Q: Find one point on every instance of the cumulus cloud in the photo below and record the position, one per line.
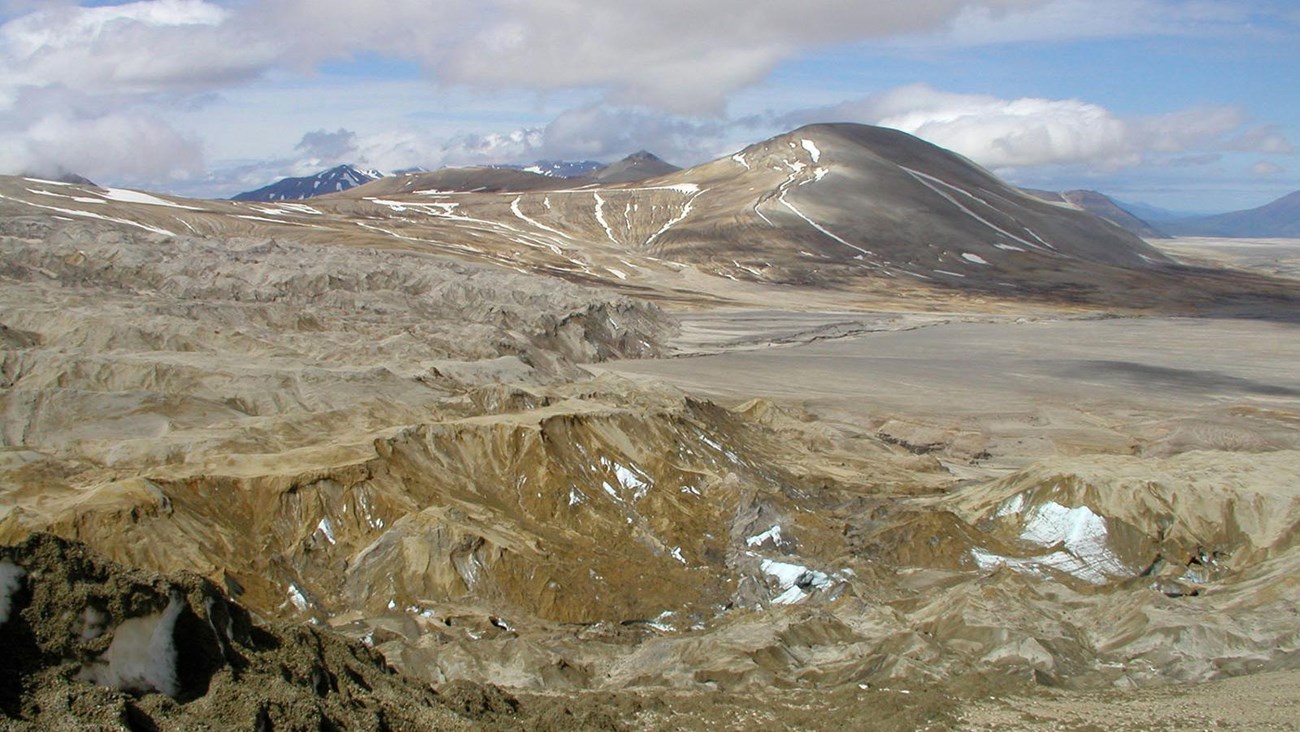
(673, 54)
(1266, 168)
(147, 46)
(1027, 132)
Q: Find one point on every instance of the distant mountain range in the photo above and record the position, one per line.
(334, 180)
(1281, 219)
(635, 167)
(832, 207)
(558, 168)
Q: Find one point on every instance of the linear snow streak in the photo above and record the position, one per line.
(446, 211)
(92, 215)
(686, 210)
(514, 206)
(928, 181)
(785, 188)
(600, 216)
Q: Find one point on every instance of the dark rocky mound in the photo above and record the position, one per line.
(59, 175)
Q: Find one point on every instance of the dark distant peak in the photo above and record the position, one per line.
(60, 176)
(643, 156)
(335, 180)
(556, 168)
(638, 166)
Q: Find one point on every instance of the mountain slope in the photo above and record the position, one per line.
(885, 201)
(334, 180)
(1281, 218)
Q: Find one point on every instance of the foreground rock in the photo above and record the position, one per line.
(90, 644)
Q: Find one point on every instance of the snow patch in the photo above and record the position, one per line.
(1011, 506)
(11, 580)
(773, 535)
(326, 528)
(126, 196)
(977, 259)
(791, 596)
(740, 159)
(78, 199)
(677, 554)
(296, 597)
(796, 582)
(1080, 534)
(142, 656)
(631, 480)
(600, 217)
(811, 147)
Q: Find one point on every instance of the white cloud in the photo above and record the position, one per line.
(1067, 20)
(140, 47)
(1265, 168)
(1028, 132)
(680, 55)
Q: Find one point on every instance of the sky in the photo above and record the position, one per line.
(1188, 105)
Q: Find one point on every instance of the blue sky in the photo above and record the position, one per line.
(1185, 104)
